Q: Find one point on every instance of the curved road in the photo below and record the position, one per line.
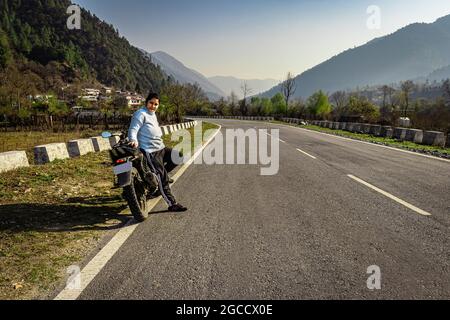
(335, 208)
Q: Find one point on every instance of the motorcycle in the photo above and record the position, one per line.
(133, 175)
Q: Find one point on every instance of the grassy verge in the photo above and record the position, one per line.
(51, 217)
(431, 150)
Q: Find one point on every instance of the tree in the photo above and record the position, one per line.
(446, 88)
(298, 109)
(106, 107)
(267, 107)
(255, 106)
(386, 110)
(35, 32)
(166, 109)
(432, 115)
(339, 98)
(407, 87)
(387, 93)
(319, 105)
(246, 91)
(222, 107)
(51, 106)
(55, 108)
(288, 88)
(233, 101)
(195, 99)
(278, 104)
(176, 97)
(362, 107)
(5, 50)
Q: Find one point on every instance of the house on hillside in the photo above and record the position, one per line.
(107, 90)
(90, 95)
(135, 100)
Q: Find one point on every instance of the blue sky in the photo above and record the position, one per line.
(257, 38)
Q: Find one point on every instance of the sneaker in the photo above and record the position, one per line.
(177, 208)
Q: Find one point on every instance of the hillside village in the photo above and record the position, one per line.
(90, 100)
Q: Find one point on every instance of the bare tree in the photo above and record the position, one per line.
(387, 93)
(233, 99)
(246, 91)
(288, 88)
(339, 98)
(407, 87)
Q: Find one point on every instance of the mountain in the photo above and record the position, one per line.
(35, 40)
(440, 74)
(231, 84)
(411, 52)
(183, 74)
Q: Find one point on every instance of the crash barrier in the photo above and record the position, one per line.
(80, 147)
(101, 144)
(237, 118)
(50, 152)
(293, 120)
(431, 138)
(75, 148)
(414, 135)
(435, 138)
(400, 133)
(13, 160)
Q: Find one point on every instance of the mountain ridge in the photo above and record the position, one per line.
(413, 51)
(183, 74)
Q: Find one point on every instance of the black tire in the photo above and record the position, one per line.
(135, 195)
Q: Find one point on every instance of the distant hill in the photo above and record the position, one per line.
(411, 52)
(183, 74)
(34, 36)
(440, 74)
(229, 84)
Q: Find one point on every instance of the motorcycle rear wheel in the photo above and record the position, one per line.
(135, 195)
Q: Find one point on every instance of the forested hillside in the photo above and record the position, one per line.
(36, 44)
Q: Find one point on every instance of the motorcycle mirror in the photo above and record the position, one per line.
(106, 135)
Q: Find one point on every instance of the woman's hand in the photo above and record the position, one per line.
(134, 144)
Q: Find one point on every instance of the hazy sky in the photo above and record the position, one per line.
(257, 38)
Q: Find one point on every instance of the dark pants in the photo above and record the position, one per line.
(162, 163)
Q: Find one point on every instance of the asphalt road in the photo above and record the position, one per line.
(309, 232)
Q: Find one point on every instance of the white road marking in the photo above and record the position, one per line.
(390, 196)
(99, 261)
(282, 141)
(93, 268)
(307, 154)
